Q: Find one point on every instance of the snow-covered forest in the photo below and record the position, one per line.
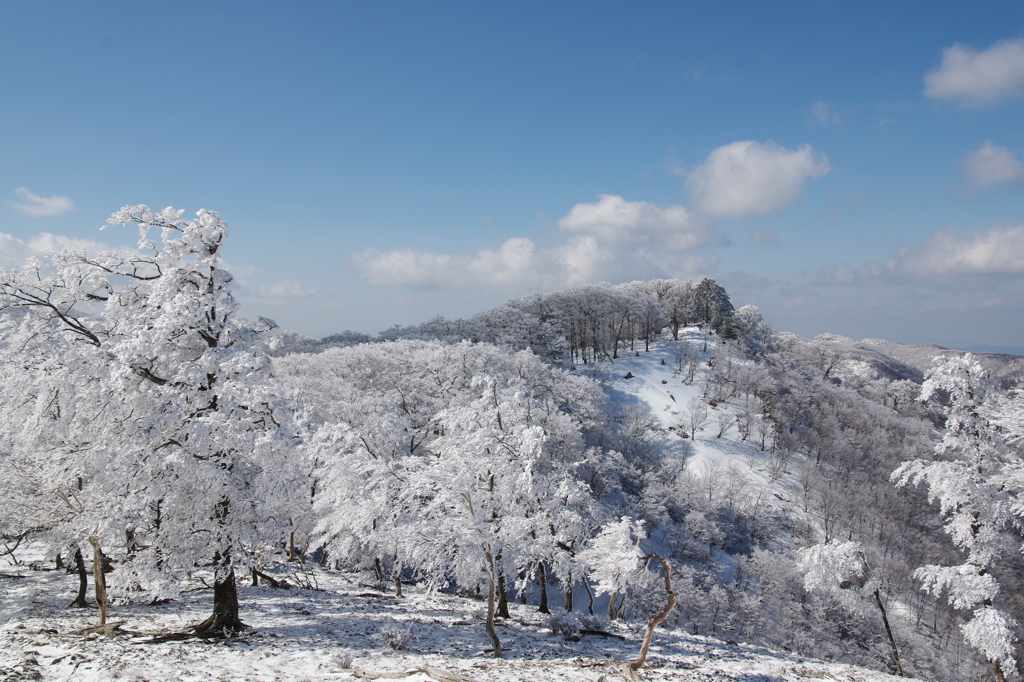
(610, 479)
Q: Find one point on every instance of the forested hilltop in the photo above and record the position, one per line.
(555, 455)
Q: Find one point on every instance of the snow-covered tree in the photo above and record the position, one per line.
(969, 480)
(840, 569)
(191, 454)
(462, 462)
(617, 562)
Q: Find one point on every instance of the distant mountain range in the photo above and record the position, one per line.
(899, 361)
(1000, 350)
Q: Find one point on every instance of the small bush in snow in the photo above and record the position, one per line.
(565, 624)
(394, 637)
(593, 623)
(343, 660)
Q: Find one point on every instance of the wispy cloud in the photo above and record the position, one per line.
(749, 178)
(992, 165)
(14, 252)
(764, 237)
(286, 289)
(947, 254)
(978, 79)
(39, 207)
(823, 112)
(610, 238)
(944, 256)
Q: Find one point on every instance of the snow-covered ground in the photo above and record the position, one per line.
(332, 633)
(667, 393)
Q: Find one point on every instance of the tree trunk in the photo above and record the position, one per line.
(888, 631)
(83, 580)
(612, 611)
(502, 598)
(98, 579)
(224, 618)
(997, 670)
(590, 597)
(653, 622)
(568, 599)
(491, 633)
(542, 578)
(255, 577)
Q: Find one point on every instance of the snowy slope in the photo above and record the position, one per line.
(330, 633)
(656, 384)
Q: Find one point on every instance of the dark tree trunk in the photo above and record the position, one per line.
(542, 578)
(224, 618)
(83, 581)
(590, 597)
(502, 598)
(255, 577)
(568, 599)
(888, 631)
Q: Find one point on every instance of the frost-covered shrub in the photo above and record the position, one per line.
(572, 625)
(596, 623)
(343, 660)
(566, 624)
(394, 637)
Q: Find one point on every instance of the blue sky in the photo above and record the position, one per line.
(852, 168)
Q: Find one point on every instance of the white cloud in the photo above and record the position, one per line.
(38, 207)
(748, 178)
(14, 252)
(948, 254)
(611, 239)
(286, 289)
(613, 220)
(992, 165)
(823, 112)
(517, 263)
(978, 79)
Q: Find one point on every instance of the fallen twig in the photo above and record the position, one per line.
(602, 633)
(436, 673)
(183, 635)
(275, 583)
(103, 628)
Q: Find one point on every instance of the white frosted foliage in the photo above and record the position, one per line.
(615, 555)
(155, 409)
(990, 631)
(976, 481)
